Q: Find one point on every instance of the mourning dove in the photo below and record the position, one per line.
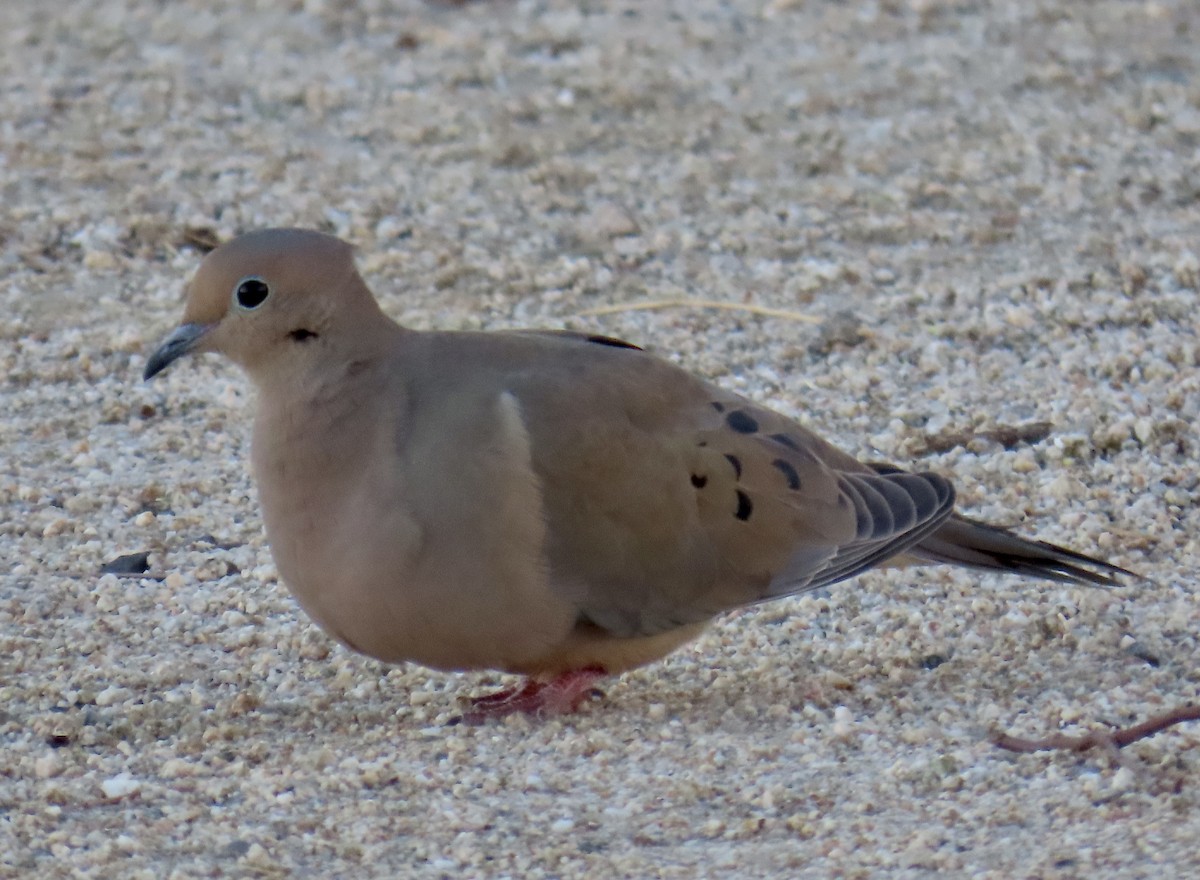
(554, 504)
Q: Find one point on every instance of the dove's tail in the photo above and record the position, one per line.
(962, 541)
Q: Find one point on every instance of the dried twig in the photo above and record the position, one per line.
(1114, 739)
(1007, 436)
(702, 304)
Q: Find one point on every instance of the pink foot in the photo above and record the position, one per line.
(560, 695)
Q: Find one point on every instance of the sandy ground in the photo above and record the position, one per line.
(990, 210)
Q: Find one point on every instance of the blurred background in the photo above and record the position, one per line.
(956, 235)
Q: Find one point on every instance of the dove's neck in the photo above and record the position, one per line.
(313, 418)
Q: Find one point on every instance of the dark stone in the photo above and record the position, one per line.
(130, 563)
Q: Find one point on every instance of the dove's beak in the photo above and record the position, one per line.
(183, 339)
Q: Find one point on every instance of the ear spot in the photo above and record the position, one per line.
(251, 293)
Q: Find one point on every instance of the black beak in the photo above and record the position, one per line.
(182, 340)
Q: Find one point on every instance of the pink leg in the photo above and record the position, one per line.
(560, 695)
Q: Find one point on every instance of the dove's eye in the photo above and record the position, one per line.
(251, 293)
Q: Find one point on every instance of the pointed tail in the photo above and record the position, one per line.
(962, 541)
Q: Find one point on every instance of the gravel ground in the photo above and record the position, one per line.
(980, 222)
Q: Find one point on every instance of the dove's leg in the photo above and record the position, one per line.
(559, 695)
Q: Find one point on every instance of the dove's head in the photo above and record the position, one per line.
(272, 300)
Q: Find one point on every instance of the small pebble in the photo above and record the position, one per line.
(120, 786)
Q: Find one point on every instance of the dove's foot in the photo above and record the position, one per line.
(560, 695)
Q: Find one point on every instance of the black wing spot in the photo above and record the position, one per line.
(741, 421)
(745, 507)
(718, 406)
(786, 440)
(789, 473)
(613, 341)
(737, 465)
(699, 481)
